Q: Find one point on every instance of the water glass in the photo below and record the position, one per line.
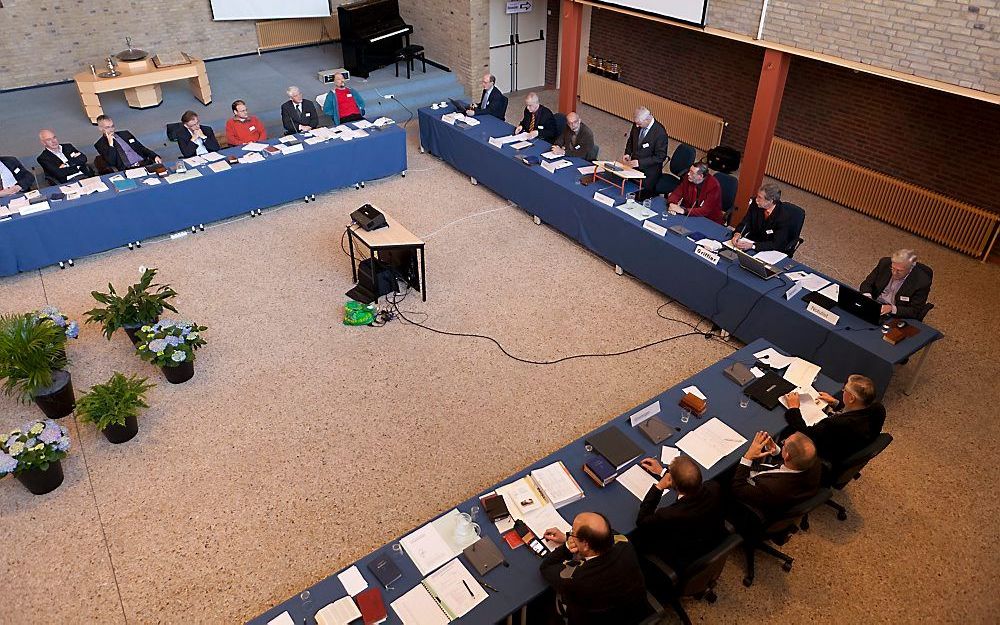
(685, 415)
(744, 401)
(648, 203)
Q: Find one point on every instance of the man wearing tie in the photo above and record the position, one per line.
(537, 120)
(646, 149)
(195, 139)
(14, 178)
(120, 149)
(298, 115)
(492, 101)
(61, 162)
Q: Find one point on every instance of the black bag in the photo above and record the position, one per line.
(724, 159)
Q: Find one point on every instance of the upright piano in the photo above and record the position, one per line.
(371, 34)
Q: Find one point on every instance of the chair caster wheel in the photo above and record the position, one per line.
(131, 246)
(618, 270)
(711, 597)
(200, 227)
(357, 185)
(422, 150)
(362, 184)
(404, 174)
(260, 211)
(194, 230)
(139, 243)
(473, 181)
(62, 265)
(537, 221)
(748, 581)
(312, 197)
(786, 567)
(70, 262)
(253, 214)
(841, 516)
(306, 199)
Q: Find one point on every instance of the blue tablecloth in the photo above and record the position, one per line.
(734, 299)
(102, 221)
(521, 582)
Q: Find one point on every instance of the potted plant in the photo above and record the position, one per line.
(32, 454)
(33, 362)
(170, 345)
(114, 406)
(51, 313)
(138, 307)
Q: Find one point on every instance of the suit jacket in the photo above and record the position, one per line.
(290, 118)
(774, 492)
(651, 152)
(603, 590)
(76, 164)
(114, 156)
(579, 144)
(840, 435)
(683, 532)
(25, 179)
(189, 147)
(545, 123)
(774, 233)
(495, 106)
(912, 294)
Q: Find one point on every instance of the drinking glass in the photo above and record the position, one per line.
(685, 415)
(744, 401)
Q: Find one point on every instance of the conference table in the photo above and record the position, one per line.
(521, 582)
(736, 300)
(71, 229)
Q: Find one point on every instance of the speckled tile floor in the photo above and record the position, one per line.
(275, 466)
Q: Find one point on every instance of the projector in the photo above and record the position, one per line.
(326, 75)
(369, 218)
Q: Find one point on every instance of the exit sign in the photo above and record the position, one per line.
(518, 6)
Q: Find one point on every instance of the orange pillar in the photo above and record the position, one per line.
(766, 107)
(571, 17)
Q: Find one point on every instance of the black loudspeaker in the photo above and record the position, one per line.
(724, 159)
(369, 218)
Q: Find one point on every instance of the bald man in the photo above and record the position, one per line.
(773, 489)
(61, 162)
(687, 529)
(538, 120)
(576, 139)
(596, 577)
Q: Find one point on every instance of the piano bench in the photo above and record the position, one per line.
(409, 54)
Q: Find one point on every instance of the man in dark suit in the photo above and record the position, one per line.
(120, 149)
(856, 421)
(492, 102)
(193, 138)
(900, 284)
(298, 114)
(646, 149)
(14, 177)
(773, 489)
(576, 139)
(597, 578)
(686, 530)
(766, 225)
(537, 121)
(62, 162)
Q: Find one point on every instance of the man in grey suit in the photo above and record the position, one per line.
(646, 149)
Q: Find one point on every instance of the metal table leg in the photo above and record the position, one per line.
(350, 246)
(920, 366)
(423, 275)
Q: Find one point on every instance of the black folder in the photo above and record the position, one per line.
(767, 390)
(614, 445)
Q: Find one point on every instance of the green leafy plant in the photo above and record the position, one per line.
(169, 343)
(138, 306)
(114, 401)
(30, 350)
(34, 446)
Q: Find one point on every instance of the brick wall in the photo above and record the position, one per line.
(937, 140)
(737, 16)
(454, 33)
(552, 44)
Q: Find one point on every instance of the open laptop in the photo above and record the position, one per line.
(757, 267)
(859, 305)
(461, 107)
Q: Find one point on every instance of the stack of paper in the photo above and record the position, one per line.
(710, 442)
(801, 373)
(451, 118)
(444, 596)
(437, 542)
(557, 484)
(520, 145)
(502, 141)
(341, 612)
(522, 496)
(34, 208)
(810, 405)
(219, 166)
(151, 182)
(137, 172)
(290, 149)
(388, 121)
(254, 147)
(364, 123)
(288, 139)
(253, 157)
(587, 169)
(770, 257)
(637, 480)
(544, 518)
(773, 359)
(195, 161)
(211, 157)
(809, 281)
(71, 188)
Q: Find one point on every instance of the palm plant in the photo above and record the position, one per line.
(30, 351)
(137, 307)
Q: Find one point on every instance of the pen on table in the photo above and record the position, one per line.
(466, 584)
(488, 586)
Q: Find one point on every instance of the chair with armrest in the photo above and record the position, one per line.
(757, 529)
(727, 187)
(172, 131)
(560, 123)
(798, 220)
(102, 167)
(592, 154)
(928, 306)
(682, 159)
(839, 475)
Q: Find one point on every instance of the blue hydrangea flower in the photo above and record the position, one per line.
(178, 356)
(50, 435)
(166, 323)
(11, 440)
(7, 464)
(73, 330)
(63, 443)
(158, 345)
(30, 442)
(174, 340)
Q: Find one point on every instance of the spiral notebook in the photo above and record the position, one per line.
(443, 596)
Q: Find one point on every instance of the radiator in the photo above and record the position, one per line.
(951, 223)
(272, 34)
(694, 127)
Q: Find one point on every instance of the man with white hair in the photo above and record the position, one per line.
(646, 149)
(538, 120)
(298, 114)
(900, 284)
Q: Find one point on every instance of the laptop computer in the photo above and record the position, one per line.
(767, 390)
(461, 107)
(819, 299)
(756, 267)
(859, 305)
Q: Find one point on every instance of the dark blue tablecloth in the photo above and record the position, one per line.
(521, 582)
(734, 299)
(102, 221)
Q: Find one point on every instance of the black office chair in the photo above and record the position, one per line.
(843, 473)
(173, 130)
(592, 154)
(681, 161)
(560, 123)
(410, 54)
(727, 186)
(798, 220)
(757, 530)
(697, 579)
(102, 166)
(927, 306)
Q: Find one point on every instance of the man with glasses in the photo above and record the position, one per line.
(120, 149)
(194, 139)
(492, 102)
(538, 120)
(767, 225)
(698, 195)
(646, 149)
(243, 128)
(900, 284)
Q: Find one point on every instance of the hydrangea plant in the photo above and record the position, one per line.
(34, 446)
(169, 343)
(53, 314)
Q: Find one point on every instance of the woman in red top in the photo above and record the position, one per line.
(698, 195)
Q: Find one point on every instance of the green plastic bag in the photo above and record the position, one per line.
(358, 314)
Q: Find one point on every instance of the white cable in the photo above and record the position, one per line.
(451, 223)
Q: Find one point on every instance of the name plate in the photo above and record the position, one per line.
(641, 415)
(711, 257)
(603, 199)
(549, 167)
(655, 228)
(823, 313)
(790, 293)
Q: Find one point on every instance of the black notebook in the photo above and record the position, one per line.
(495, 507)
(385, 570)
(614, 445)
(767, 390)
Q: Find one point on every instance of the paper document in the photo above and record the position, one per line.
(667, 454)
(801, 372)
(770, 256)
(188, 175)
(795, 276)
(757, 373)
(522, 497)
(639, 416)
(388, 121)
(418, 607)
(710, 244)
(315, 140)
(557, 484)
(619, 170)
(637, 211)
(588, 169)
(520, 145)
(710, 442)
(341, 612)
(810, 406)
(253, 157)
(195, 161)
(220, 166)
(291, 149)
(69, 188)
(546, 517)
(151, 182)
(772, 358)
(288, 139)
(34, 208)
(455, 589)
(694, 390)
(281, 619)
(211, 157)
(352, 580)
(637, 480)
(832, 291)
(427, 549)
(137, 172)
(551, 155)
(364, 123)
(812, 282)
(254, 147)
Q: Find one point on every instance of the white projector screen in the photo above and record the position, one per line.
(268, 9)
(690, 11)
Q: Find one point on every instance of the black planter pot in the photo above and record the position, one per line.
(181, 373)
(57, 400)
(40, 482)
(122, 433)
(130, 330)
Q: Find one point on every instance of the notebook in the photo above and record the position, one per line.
(385, 570)
(483, 555)
(655, 430)
(371, 606)
(443, 596)
(614, 445)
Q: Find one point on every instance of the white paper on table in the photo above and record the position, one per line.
(520, 145)
(561, 163)
(456, 589)
(470, 121)
(180, 177)
(69, 188)
(637, 481)
(639, 416)
(587, 169)
(517, 493)
(211, 157)
(667, 454)
(137, 172)
(557, 484)
(195, 161)
(801, 372)
(254, 147)
(795, 276)
(340, 612)
(418, 607)
(551, 154)
(812, 282)
(710, 244)
(288, 139)
(315, 140)
(252, 157)
(549, 167)
(546, 517)
(5, 212)
(832, 291)
(710, 442)
(220, 166)
(427, 548)
(770, 256)
(281, 619)
(694, 390)
(773, 359)
(757, 373)
(501, 141)
(18, 203)
(152, 182)
(352, 580)
(364, 123)
(291, 149)
(34, 208)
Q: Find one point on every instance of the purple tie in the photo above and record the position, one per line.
(130, 154)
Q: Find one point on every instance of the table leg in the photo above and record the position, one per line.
(90, 101)
(199, 85)
(350, 246)
(524, 614)
(143, 97)
(920, 366)
(423, 275)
